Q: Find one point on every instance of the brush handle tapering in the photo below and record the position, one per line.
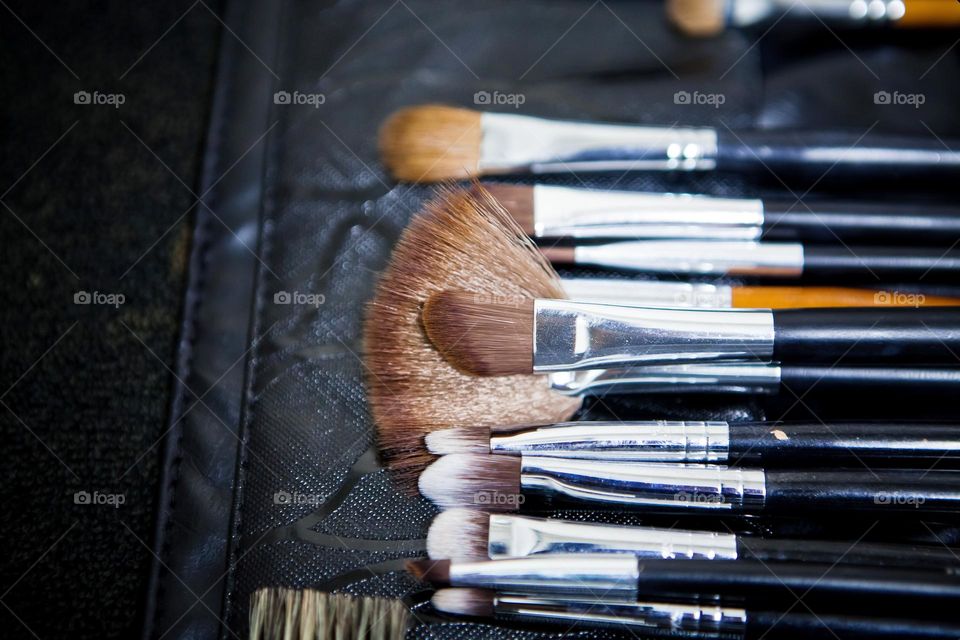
(795, 625)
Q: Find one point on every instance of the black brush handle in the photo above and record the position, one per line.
(867, 335)
(904, 445)
(902, 382)
(880, 491)
(837, 155)
(831, 552)
(813, 626)
(853, 223)
(876, 264)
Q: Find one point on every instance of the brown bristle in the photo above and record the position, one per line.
(432, 571)
(518, 200)
(462, 439)
(559, 255)
(477, 603)
(460, 535)
(462, 240)
(698, 18)
(479, 335)
(466, 480)
(291, 614)
(431, 143)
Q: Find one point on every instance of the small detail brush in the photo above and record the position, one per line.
(705, 18)
(494, 338)
(432, 143)
(505, 483)
(466, 535)
(547, 212)
(291, 614)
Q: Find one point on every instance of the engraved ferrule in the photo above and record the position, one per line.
(723, 377)
(783, 259)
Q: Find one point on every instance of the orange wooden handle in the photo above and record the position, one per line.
(813, 297)
(930, 13)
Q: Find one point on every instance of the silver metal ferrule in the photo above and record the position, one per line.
(648, 485)
(611, 574)
(637, 441)
(522, 143)
(723, 377)
(850, 12)
(649, 293)
(718, 258)
(563, 212)
(643, 618)
(569, 335)
(514, 536)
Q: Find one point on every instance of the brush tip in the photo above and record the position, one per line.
(460, 535)
(432, 571)
(518, 201)
(490, 483)
(431, 143)
(481, 334)
(559, 255)
(698, 18)
(462, 439)
(477, 603)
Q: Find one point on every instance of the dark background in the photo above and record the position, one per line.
(94, 198)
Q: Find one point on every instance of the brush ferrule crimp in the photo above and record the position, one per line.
(513, 536)
(649, 485)
(852, 12)
(610, 574)
(516, 143)
(569, 335)
(650, 293)
(561, 212)
(718, 258)
(650, 441)
(723, 377)
(654, 618)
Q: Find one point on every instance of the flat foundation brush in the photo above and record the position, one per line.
(466, 535)
(433, 142)
(494, 338)
(505, 483)
(664, 619)
(550, 212)
(292, 614)
(704, 18)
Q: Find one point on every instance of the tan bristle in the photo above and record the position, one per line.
(431, 143)
(460, 535)
(477, 603)
(481, 336)
(518, 200)
(466, 480)
(463, 439)
(559, 255)
(432, 571)
(698, 18)
(291, 614)
(461, 240)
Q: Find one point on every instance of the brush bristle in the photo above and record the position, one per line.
(460, 535)
(291, 614)
(463, 439)
(481, 336)
(461, 240)
(490, 483)
(431, 143)
(698, 18)
(477, 603)
(518, 201)
(432, 571)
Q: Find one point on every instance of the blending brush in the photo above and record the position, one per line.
(291, 614)
(470, 535)
(431, 143)
(545, 211)
(505, 483)
(704, 18)
(495, 338)
(902, 445)
(665, 619)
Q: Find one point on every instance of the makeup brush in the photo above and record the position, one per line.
(504, 483)
(431, 143)
(292, 614)
(542, 336)
(659, 293)
(549, 212)
(765, 259)
(902, 445)
(466, 535)
(663, 619)
(704, 18)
